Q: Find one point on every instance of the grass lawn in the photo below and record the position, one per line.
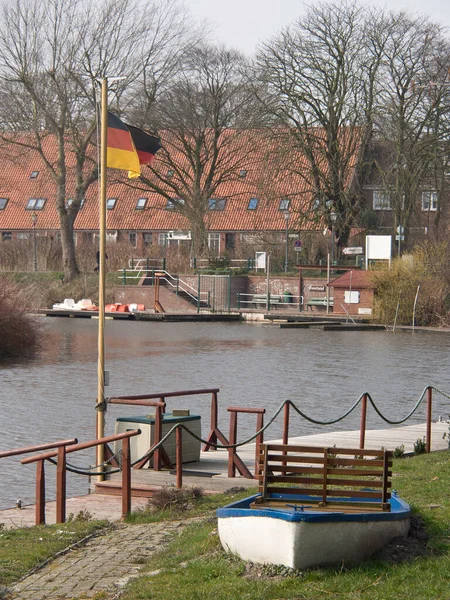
(22, 550)
(194, 566)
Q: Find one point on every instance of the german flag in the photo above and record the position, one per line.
(121, 152)
(146, 145)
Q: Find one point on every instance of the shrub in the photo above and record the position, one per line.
(420, 446)
(172, 498)
(20, 333)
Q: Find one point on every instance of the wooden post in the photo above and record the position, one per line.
(61, 486)
(362, 429)
(233, 438)
(126, 478)
(158, 436)
(259, 440)
(429, 407)
(40, 493)
(179, 456)
(287, 406)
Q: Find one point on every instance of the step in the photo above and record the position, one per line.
(114, 488)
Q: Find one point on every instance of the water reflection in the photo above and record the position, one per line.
(53, 396)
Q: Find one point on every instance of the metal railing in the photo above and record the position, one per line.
(269, 301)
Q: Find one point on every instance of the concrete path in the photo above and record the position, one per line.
(101, 567)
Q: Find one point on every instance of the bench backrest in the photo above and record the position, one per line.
(327, 475)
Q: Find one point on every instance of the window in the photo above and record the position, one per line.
(169, 173)
(162, 239)
(141, 203)
(6, 236)
(148, 238)
(174, 202)
(216, 203)
(22, 235)
(36, 203)
(381, 200)
(284, 204)
(429, 200)
(214, 242)
(111, 203)
(253, 204)
(34, 174)
(132, 238)
(230, 241)
(243, 173)
(69, 202)
(3, 203)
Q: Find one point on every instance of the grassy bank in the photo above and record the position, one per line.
(194, 566)
(22, 550)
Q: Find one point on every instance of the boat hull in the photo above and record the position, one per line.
(309, 538)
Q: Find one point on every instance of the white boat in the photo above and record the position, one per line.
(299, 537)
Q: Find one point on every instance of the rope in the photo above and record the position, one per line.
(149, 454)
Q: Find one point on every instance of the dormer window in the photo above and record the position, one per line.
(216, 203)
(169, 173)
(141, 203)
(253, 204)
(243, 173)
(34, 174)
(284, 204)
(36, 203)
(3, 203)
(174, 202)
(111, 203)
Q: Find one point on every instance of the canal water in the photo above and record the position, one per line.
(53, 396)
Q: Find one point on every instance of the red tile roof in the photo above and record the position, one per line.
(254, 156)
(353, 280)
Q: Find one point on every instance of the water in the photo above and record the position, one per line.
(53, 396)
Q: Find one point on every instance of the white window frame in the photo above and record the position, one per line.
(132, 238)
(285, 203)
(381, 200)
(214, 242)
(162, 239)
(147, 238)
(429, 201)
(141, 203)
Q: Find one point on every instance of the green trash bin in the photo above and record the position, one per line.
(287, 297)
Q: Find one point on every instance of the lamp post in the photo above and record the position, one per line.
(34, 219)
(287, 216)
(333, 218)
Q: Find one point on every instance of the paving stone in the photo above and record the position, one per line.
(105, 564)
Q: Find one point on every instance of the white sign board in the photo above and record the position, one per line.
(260, 260)
(378, 247)
(355, 250)
(351, 297)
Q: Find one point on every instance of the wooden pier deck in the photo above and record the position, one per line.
(210, 473)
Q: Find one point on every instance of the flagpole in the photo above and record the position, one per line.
(101, 406)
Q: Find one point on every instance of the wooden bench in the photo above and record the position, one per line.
(342, 479)
(319, 302)
(261, 300)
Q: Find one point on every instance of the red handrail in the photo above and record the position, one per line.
(61, 473)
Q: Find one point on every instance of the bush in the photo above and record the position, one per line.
(172, 498)
(396, 288)
(20, 333)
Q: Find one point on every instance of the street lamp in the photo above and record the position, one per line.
(287, 216)
(34, 219)
(333, 219)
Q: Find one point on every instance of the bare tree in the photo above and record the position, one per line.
(202, 119)
(319, 78)
(52, 54)
(411, 123)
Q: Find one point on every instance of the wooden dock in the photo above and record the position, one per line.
(210, 473)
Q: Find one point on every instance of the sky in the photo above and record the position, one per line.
(242, 24)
